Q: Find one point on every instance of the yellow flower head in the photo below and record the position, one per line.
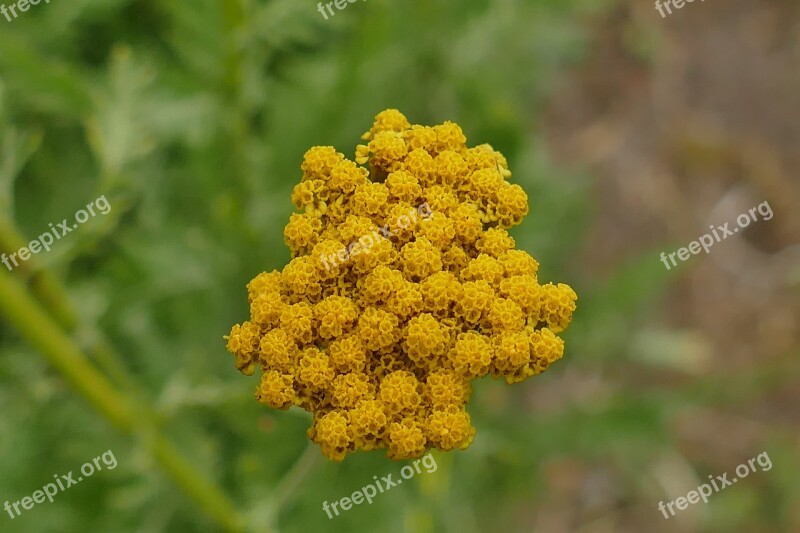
(404, 286)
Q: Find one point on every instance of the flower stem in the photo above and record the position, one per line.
(46, 336)
(42, 283)
(53, 296)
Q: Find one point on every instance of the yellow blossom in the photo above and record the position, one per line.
(404, 286)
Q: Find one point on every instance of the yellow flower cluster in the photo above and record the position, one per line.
(381, 349)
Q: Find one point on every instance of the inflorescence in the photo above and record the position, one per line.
(382, 348)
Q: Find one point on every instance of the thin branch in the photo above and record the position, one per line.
(295, 476)
(47, 337)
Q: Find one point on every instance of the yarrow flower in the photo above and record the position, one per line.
(381, 350)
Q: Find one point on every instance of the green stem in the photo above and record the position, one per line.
(42, 283)
(53, 296)
(295, 476)
(264, 517)
(47, 337)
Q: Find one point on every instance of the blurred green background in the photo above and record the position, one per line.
(629, 132)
